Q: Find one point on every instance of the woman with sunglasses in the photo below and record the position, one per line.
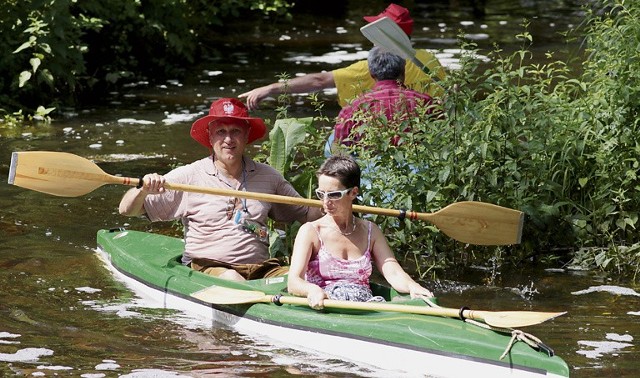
(333, 256)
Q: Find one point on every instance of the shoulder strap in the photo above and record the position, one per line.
(318, 233)
(369, 237)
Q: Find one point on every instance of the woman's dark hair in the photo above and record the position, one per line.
(341, 167)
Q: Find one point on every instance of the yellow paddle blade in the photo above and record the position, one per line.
(478, 223)
(58, 173)
(467, 221)
(225, 295)
(514, 319)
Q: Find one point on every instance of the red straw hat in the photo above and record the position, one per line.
(228, 109)
(397, 14)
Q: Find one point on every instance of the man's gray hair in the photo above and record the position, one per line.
(384, 65)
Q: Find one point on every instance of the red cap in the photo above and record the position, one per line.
(227, 109)
(397, 14)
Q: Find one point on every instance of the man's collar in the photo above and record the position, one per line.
(211, 169)
(382, 84)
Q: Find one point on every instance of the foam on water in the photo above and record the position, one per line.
(107, 365)
(334, 57)
(133, 121)
(54, 367)
(89, 290)
(153, 373)
(617, 290)
(128, 157)
(612, 345)
(26, 355)
(7, 335)
(180, 117)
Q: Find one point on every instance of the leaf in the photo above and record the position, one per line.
(35, 63)
(42, 111)
(24, 77)
(295, 131)
(26, 45)
(276, 244)
(444, 174)
(46, 75)
(583, 181)
(285, 136)
(277, 156)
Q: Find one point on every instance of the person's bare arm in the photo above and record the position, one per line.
(390, 268)
(297, 284)
(301, 84)
(132, 203)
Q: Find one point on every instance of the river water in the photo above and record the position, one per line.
(63, 314)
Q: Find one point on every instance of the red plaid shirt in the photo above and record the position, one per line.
(387, 98)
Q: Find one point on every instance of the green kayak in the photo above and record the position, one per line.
(402, 342)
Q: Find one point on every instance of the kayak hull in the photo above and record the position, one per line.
(403, 343)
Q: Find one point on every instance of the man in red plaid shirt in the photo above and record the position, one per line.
(389, 98)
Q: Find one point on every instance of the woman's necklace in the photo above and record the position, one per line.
(353, 221)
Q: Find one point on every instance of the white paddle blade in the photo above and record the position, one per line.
(387, 34)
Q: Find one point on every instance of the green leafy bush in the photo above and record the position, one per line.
(560, 145)
(64, 50)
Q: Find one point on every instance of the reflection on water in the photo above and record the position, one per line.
(62, 313)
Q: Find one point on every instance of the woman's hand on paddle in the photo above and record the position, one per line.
(316, 298)
(417, 291)
(153, 183)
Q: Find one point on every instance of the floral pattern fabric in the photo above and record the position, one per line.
(342, 279)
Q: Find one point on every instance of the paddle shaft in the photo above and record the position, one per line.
(466, 221)
(501, 319)
(68, 175)
(379, 306)
(288, 200)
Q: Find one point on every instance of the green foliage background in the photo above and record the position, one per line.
(58, 51)
(561, 146)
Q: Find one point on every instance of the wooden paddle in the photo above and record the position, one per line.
(386, 33)
(67, 175)
(501, 319)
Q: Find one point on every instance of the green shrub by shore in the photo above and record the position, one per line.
(561, 146)
(61, 52)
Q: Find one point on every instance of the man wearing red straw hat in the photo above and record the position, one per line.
(224, 236)
(354, 80)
